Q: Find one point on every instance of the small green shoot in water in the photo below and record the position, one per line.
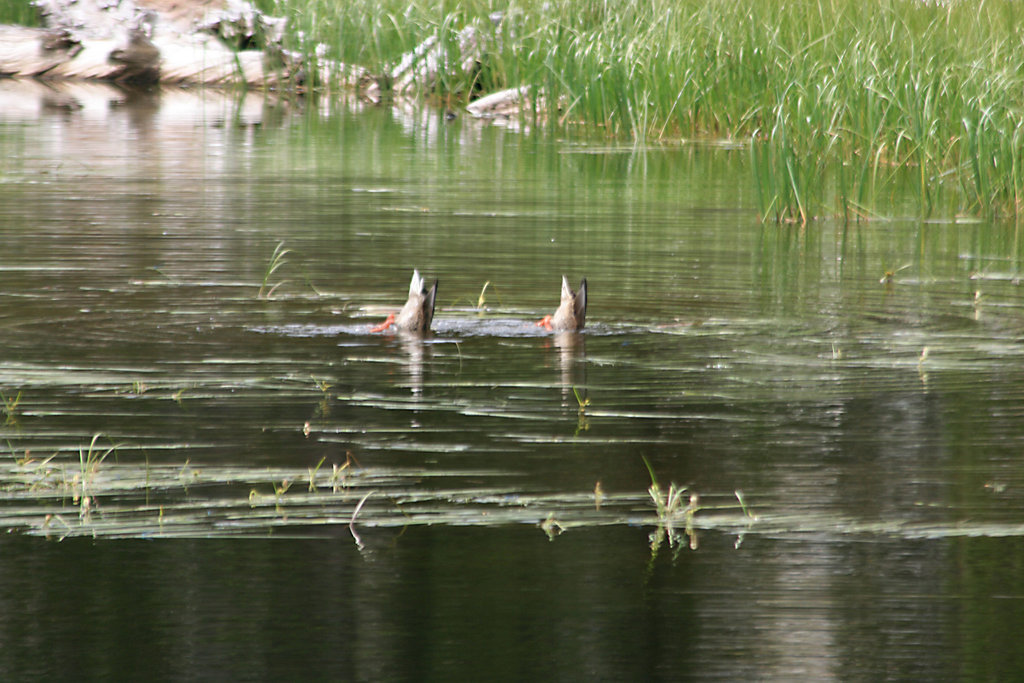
(551, 527)
(89, 463)
(583, 402)
(337, 479)
(582, 422)
(889, 275)
(743, 506)
(668, 505)
(338, 476)
(312, 474)
(481, 301)
(10, 408)
(670, 508)
(323, 408)
(279, 491)
(277, 259)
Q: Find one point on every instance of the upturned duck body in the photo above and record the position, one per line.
(418, 311)
(572, 311)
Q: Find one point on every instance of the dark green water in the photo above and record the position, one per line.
(872, 423)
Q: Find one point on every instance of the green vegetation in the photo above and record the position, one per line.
(18, 12)
(9, 408)
(844, 104)
(175, 500)
(848, 109)
(83, 482)
(670, 510)
(277, 259)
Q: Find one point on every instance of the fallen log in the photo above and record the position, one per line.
(423, 67)
(149, 41)
(501, 104)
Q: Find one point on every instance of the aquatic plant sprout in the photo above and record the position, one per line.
(108, 499)
(277, 259)
(45, 498)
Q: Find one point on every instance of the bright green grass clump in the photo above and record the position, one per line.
(18, 12)
(845, 104)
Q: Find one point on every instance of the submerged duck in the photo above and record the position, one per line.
(417, 312)
(572, 311)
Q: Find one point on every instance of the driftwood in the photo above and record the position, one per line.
(215, 42)
(424, 66)
(504, 103)
(209, 42)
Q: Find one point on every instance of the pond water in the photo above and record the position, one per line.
(212, 469)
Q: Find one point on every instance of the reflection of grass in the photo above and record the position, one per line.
(10, 408)
(352, 522)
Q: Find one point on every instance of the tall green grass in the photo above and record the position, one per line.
(846, 105)
(18, 12)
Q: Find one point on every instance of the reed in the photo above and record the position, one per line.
(19, 13)
(850, 109)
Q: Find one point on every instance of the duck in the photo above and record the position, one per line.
(418, 311)
(572, 311)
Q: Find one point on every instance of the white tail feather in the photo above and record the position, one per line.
(416, 285)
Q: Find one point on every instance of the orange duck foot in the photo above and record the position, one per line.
(384, 325)
(544, 322)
